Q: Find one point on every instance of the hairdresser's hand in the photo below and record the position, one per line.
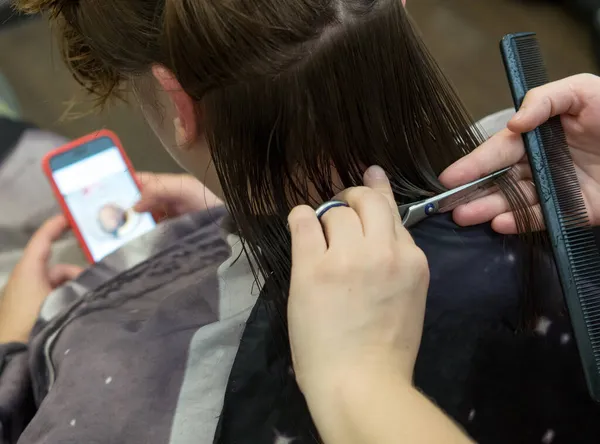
(358, 289)
(31, 281)
(577, 100)
(172, 195)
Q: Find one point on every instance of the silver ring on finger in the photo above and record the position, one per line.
(328, 206)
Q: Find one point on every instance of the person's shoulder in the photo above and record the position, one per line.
(442, 230)
(475, 272)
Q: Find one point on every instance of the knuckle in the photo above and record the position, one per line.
(587, 77)
(336, 267)
(386, 260)
(300, 212)
(357, 193)
(344, 265)
(535, 94)
(417, 261)
(379, 197)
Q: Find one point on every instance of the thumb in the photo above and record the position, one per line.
(154, 192)
(37, 251)
(62, 273)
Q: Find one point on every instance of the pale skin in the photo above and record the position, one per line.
(385, 400)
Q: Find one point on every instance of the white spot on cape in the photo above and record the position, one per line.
(543, 325)
(73, 422)
(67, 351)
(108, 380)
(471, 415)
(565, 338)
(282, 439)
(548, 436)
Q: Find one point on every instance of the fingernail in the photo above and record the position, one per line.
(376, 172)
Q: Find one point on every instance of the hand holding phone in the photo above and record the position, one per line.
(96, 187)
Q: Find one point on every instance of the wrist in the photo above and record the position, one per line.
(353, 379)
(352, 407)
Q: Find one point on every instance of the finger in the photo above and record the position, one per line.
(503, 149)
(62, 273)
(174, 193)
(521, 171)
(308, 239)
(506, 223)
(342, 227)
(39, 246)
(488, 207)
(373, 209)
(148, 204)
(156, 190)
(144, 178)
(552, 99)
(376, 179)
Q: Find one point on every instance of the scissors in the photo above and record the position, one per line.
(415, 212)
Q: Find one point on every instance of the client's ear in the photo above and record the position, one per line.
(186, 122)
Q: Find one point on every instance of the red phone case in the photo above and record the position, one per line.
(61, 200)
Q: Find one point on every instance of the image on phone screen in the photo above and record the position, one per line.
(99, 191)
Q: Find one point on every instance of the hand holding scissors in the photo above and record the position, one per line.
(415, 212)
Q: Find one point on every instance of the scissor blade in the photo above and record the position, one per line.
(415, 212)
(466, 193)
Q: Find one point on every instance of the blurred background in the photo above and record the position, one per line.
(462, 34)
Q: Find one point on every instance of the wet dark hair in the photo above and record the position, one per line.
(289, 91)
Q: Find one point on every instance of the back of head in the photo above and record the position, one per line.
(290, 94)
(344, 83)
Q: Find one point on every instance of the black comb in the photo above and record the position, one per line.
(569, 228)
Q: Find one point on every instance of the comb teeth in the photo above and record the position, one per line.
(573, 240)
(532, 61)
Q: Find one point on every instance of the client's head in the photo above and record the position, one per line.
(275, 102)
(279, 93)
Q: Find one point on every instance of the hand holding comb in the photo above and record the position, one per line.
(573, 242)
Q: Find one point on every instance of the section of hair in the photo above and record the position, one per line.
(368, 94)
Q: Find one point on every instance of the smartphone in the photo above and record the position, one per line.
(96, 187)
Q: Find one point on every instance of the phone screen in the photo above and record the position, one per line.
(99, 190)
